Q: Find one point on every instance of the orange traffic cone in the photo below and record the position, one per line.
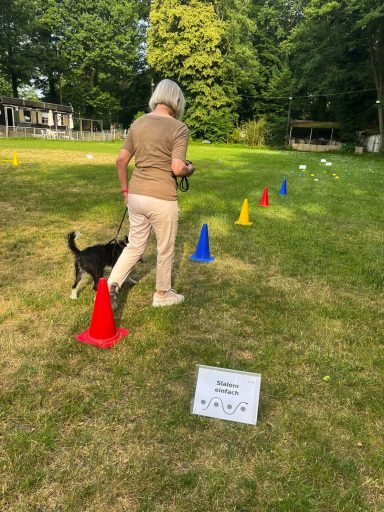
(264, 199)
(102, 333)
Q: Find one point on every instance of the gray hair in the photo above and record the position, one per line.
(168, 93)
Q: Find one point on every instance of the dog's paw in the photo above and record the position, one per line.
(73, 294)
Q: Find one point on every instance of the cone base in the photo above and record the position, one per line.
(202, 260)
(264, 205)
(243, 223)
(85, 337)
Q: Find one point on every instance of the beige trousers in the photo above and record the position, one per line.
(146, 213)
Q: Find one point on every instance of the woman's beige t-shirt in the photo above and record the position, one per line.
(154, 141)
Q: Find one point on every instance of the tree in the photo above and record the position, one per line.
(100, 43)
(330, 50)
(89, 52)
(16, 56)
(370, 22)
(184, 44)
(48, 38)
(274, 23)
(207, 47)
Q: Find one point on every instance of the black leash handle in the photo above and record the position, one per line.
(184, 183)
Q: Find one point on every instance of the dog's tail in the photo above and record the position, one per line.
(71, 237)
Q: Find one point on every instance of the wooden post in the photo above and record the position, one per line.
(290, 136)
(288, 121)
(310, 136)
(330, 142)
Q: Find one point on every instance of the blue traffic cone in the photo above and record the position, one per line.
(202, 250)
(283, 190)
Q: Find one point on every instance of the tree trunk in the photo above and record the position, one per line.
(15, 89)
(52, 88)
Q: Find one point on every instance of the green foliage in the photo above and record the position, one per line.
(235, 136)
(5, 86)
(138, 115)
(236, 60)
(184, 44)
(254, 132)
(16, 63)
(86, 53)
(330, 44)
(206, 48)
(101, 52)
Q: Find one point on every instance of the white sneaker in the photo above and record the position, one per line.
(169, 299)
(113, 291)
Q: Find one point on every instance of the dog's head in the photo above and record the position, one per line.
(117, 247)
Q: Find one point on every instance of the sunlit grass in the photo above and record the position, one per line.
(296, 296)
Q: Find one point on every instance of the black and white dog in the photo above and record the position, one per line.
(94, 259)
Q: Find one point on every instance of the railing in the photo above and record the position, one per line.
(46, 133)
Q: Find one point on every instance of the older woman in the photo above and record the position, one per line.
(158, 141)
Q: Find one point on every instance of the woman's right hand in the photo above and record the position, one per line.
(191, 169)
(125, 196)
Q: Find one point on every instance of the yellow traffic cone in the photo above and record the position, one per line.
(244, 218)
(15, 161)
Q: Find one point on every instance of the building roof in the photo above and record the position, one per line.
(308, 123)
(19, 102)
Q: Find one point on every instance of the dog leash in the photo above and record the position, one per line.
(184, 183)
(114, 239)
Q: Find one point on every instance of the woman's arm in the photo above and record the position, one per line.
(123, 159)
(180, 168)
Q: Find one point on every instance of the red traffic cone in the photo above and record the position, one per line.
(264, 199)
(102, 332)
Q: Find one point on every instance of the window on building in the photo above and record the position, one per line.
(44, 118)
(27, 116)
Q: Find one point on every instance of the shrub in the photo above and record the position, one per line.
(138, 114)
(235, 137)
(254, 132)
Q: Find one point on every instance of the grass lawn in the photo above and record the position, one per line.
(295, 297)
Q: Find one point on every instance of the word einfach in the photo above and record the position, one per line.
(226, 386)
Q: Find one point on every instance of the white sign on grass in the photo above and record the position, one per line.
(323, 160)
(226, 394)
(328, 164)
(302, 166)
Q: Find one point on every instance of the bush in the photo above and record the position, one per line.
(235, 137)
(254, 132)
(139, 114)
(347, 148)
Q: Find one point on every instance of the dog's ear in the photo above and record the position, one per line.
(125, 240)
